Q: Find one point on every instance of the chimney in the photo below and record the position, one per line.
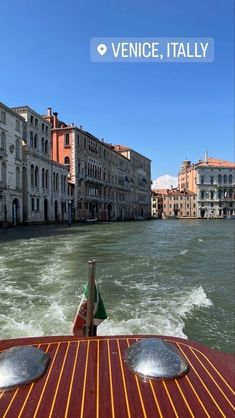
(206, 157)
(49, 111)
(55, 119)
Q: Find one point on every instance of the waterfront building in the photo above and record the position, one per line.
(157, 203)
(45, 191)
(12, 128)
(179, 204)
(103, 180)
(140, 181)
(213, 181)
(173, 203)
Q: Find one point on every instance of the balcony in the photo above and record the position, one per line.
(34, 190)
(226, 199)
(217, 184)
(217, 199)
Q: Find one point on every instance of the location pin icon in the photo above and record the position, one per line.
(102, 49)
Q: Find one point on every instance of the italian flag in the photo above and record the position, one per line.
(80, 317)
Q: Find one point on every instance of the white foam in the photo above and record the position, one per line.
(183, 252)
(20, 328)
(55, 312)
(162, 316)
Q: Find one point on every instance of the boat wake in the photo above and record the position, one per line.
(163, 316)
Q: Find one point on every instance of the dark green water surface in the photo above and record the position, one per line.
(156, 277)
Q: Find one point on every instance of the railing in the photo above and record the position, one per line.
(34, 189)
(217, 199)
(227, 199)
(217, 184)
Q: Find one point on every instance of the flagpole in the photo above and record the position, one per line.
(90, 331)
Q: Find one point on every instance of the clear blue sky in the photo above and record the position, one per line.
(168, 112)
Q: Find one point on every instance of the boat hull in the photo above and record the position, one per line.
(88, 377)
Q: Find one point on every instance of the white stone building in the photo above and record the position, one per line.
(11, 186)
(216, 189)
(213, 180)
(45, 190)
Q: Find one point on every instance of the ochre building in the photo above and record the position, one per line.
(106, 182)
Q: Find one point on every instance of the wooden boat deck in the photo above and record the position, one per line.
(88, 377)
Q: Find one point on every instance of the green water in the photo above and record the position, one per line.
(156, 277)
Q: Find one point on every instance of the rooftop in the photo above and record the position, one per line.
(215, 162)
(173, 192)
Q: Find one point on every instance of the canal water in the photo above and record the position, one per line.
(156, 277)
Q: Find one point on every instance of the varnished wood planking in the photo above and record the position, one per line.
(89, 378)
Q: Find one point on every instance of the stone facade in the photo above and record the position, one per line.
(103, 180)
(213, 181)
(45, 191)
(157, 203)
(11, 182)
(173, 203)
(179, 204)
(140, 182)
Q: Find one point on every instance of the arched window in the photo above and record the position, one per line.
(61, 183)
(3, 141)
(64, 184)
(47, 179)
(67, 162)
(53, 181)
(17, 178)
(56, 181)
(219, 178)
(225, 178)
(17, 149)
(79, 166)
(230, 179)
(220, 193)
(4, 173)
(43, 177)
(32, 175)
(42, 145)
(35, 141)
(36, 176)
(31, 139)
(46, 146)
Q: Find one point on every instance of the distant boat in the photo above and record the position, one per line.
(92, 220)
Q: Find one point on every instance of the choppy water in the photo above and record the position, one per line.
(156, 277)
